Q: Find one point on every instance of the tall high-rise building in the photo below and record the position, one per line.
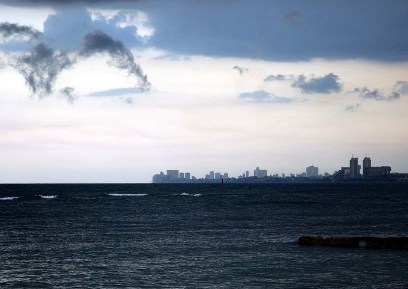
(211, 175)
(187, 176)
(366, 166)
(354, 168)
(247, 174)
(312, 171)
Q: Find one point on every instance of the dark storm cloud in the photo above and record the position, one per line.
(241, 70)
(14, 30)
(325, 84)
(41, 67)
(273, 30)
(122, 58)
(264, 97)
(275, 77)
(375, 94)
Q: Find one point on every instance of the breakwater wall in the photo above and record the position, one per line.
(400, 243)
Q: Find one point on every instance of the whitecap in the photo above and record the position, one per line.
(48, 196)
(127, 195)
(8, 198)
(192, 195)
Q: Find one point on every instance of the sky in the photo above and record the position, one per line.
(117, 91)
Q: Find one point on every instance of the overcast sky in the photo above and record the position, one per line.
(116, 91)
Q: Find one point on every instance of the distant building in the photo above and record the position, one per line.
(354, 168)
(353, 171)
(366, 166)
(181, 176)
(225, 175)
(247, 174)
(159, 178)
(217, 176)
(312, 172)
(378, 171)
(187, 176)
(260, 173)
(211, 175)
(172, 174)
(369, 171)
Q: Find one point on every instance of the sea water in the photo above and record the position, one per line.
(199, 236)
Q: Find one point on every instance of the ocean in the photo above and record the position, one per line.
(198, 235)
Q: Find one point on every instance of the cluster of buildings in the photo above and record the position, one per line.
(175, 176)
(172, 176)
(350, 173)
(353, 171)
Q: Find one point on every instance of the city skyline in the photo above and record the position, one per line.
(112, 91)
(353, 171)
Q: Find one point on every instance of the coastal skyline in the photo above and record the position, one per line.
(112, 91)
(356, 171)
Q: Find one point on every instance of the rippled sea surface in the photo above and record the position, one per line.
(198, 236)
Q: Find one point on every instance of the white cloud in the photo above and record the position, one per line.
(138, 20)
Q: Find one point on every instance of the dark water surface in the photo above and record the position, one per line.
(198, 236)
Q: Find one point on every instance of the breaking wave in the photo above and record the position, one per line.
(8, 198)
(187, 194)
(48, 196)
(127, 195)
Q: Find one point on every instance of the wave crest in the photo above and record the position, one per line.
(48, 196)
(8, 198)
(187, 194)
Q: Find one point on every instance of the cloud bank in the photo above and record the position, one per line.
(271, 30)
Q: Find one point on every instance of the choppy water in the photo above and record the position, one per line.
(198, 236)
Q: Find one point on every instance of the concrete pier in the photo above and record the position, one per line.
(400, 243)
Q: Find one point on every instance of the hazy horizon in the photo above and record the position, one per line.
(117, 91)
